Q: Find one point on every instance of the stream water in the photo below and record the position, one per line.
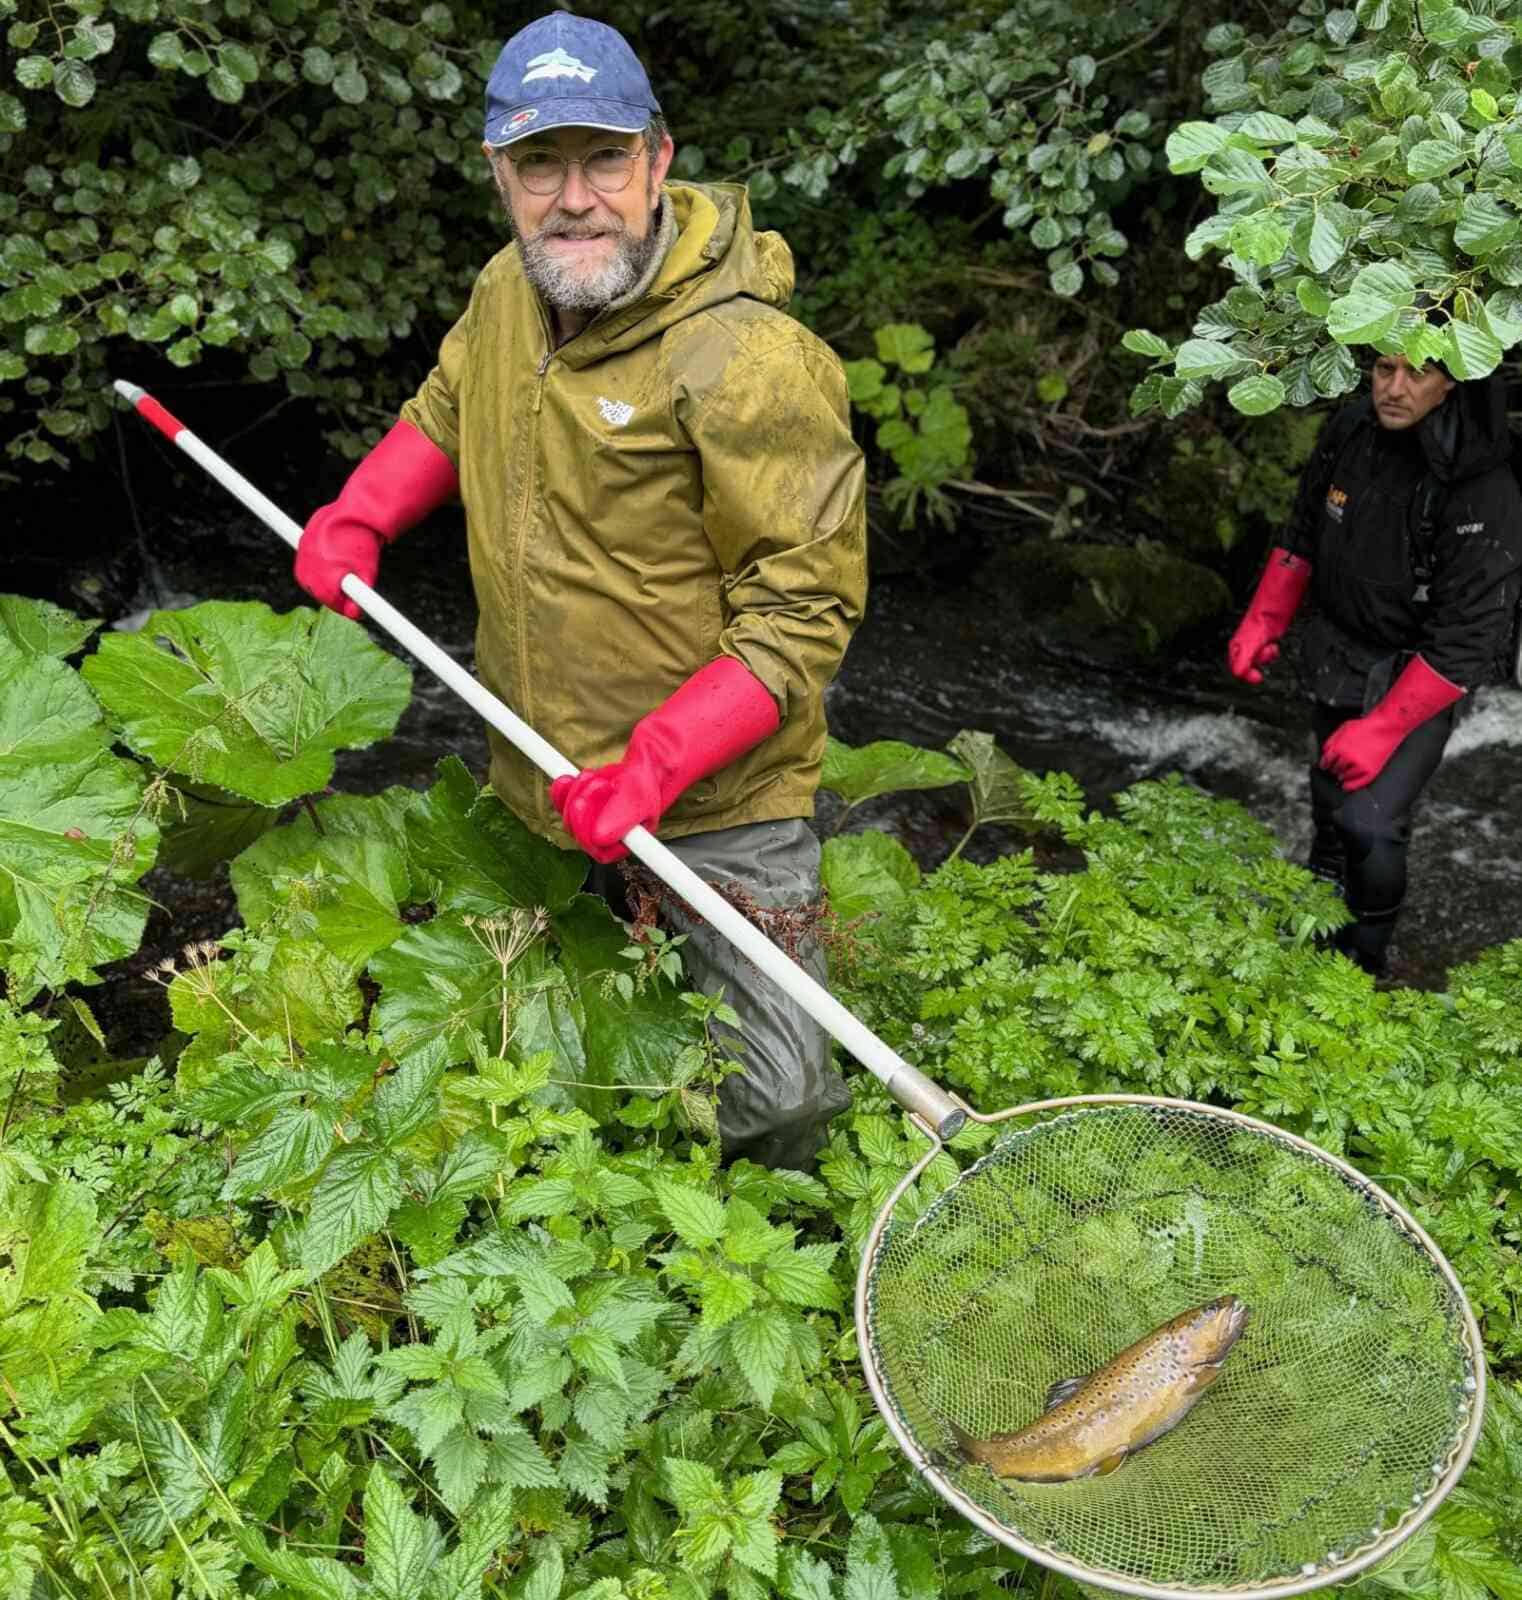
(937, 653)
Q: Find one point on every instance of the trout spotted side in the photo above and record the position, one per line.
(1092, 1423)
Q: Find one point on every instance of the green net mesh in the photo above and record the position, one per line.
(1342, 1405)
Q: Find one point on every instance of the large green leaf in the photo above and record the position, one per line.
(865, 873)
(233, 694)
(996, 790)
(1360, 319)
(47, 712)
(1260, 238)
(46, 1233)
(1232, 171)
(1208, 358)
(865, 771)
(471, 853)
(1192, 144)
(1334, 371)
(1425, 343)
(41, 629)
(1257, 395)
(627, 1040)
(1472, 352)
(206, 826)
(1319, 242)
(1267, 127)
(1431, 158)
(353, 874)
(452, 988)
(74, 833)
(305, 994)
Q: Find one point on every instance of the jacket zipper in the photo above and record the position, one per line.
(525, 709)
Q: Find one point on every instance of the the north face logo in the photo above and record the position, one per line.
(617, 412)
(558, 63)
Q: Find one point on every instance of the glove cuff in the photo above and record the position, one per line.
(1418, 694)
(722, 711)
(401, 480)
(1280, 590)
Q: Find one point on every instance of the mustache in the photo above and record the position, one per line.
(569, 229)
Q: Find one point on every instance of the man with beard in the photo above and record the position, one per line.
(666, 521)
(1408, 533)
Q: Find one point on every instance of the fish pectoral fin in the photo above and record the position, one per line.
(1110, 1463)
(1064, 1389)
(967, 1446)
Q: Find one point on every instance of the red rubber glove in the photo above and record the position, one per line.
(714, 718)
(1273, 607)
(1356, 752)
(401, 480)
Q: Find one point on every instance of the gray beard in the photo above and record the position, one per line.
(566, 288)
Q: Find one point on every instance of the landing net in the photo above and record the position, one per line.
(1340, 1418)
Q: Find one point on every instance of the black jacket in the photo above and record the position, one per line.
(1357, 520)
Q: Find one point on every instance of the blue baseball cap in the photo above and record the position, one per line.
(566, 71)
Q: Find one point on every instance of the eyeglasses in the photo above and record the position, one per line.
(607, 170)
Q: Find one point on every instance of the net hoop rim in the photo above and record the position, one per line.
(1121, 1583)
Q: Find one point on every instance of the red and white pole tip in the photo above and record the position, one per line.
(150, 410)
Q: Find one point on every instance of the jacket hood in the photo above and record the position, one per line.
(1467, 435)
(717, 256)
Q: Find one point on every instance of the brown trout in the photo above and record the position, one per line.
(1092, 1423)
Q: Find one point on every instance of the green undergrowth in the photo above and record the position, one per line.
(409, 1268)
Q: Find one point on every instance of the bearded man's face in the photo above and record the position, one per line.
(582, 246)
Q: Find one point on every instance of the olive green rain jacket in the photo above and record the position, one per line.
(675, 483)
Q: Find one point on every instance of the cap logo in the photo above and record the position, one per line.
(558, 63)
(518, 120)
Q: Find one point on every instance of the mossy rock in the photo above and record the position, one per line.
(1110, 600)
(1209, 491)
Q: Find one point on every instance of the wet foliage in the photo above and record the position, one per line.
(408, 1264)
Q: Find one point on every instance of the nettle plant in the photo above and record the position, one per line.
(407, 1266)
(1367, 165)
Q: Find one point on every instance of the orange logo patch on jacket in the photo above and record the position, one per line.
(1336, 499)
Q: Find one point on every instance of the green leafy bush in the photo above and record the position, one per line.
(1025, 103)
(409, 1267)
(221, 176)
(1365, 166)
